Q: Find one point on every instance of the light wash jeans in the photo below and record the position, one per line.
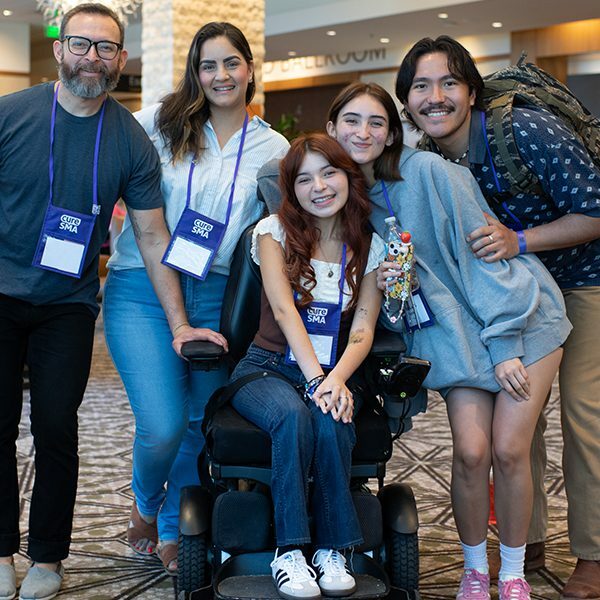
(166, 396)
(306, 443)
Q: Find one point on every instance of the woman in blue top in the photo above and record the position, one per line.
(491, 331)
(210, 151)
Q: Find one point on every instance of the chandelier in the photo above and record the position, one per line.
(54, 10)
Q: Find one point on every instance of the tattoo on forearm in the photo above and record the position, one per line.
(137, 232)
(363, 312)
(356, 337)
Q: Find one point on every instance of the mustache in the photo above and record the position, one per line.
(91, 68)
(434, 107)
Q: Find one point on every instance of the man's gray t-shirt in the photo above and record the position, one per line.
(128, 168)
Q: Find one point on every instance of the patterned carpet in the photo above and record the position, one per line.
(102, 567)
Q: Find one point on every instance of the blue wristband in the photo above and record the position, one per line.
(522, 242)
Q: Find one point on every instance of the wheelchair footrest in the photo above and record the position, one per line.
(261, 586)
(248, 576)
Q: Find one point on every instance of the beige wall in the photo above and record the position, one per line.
(14, 57)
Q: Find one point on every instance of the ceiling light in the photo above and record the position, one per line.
(496, 24)
(7, 13)
(442, 15)
(384, 40)
(292, 53)
(331, 32)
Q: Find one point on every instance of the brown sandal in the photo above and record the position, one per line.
(139, 531)
(168, 556)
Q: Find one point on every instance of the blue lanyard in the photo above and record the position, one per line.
(235, 172)
(387, 199)
(495, 174)
(96, 151)
(341, 280)
(342, 276)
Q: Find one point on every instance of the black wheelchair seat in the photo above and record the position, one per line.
(235, 441)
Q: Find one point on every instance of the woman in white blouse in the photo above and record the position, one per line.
(210, 151)
(318, 260)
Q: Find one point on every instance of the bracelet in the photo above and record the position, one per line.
(179, 327)
(311, 386)
(522, 242)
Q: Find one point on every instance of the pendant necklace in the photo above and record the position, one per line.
(329, 264)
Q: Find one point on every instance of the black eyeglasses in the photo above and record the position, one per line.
(80, 46)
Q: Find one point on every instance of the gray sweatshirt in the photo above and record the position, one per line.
(485, 313)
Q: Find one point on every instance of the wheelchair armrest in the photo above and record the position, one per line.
(396, 376)
(387, 347)
(203, 356)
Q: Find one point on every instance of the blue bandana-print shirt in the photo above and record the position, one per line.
(568, 177)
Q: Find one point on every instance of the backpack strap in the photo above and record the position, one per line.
(503, 146)
(220, 398)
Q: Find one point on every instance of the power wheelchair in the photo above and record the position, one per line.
(226, 538)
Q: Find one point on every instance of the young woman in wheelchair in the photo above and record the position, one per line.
(320, 302)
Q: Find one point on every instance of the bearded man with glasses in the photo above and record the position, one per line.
(68, 152)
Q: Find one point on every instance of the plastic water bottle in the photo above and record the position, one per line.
(399, 251)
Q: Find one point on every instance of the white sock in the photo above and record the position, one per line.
(512, 562)
(476, 557)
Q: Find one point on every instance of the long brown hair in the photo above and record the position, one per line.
(184, 112)
(302, 233)
(386, 166)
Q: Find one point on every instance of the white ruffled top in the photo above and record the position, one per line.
(327, 288)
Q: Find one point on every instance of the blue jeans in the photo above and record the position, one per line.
(306, 443)
(166, 396)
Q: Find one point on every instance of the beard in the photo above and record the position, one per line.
(88, 87)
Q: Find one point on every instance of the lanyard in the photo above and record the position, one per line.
(387, 198)
(322, 322)
(342, 276)
(495, 174)
(235, 172)
(96, 151)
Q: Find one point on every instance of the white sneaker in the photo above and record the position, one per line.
(293, 578)
(334, 577)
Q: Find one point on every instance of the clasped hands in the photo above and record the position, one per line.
(332, 396)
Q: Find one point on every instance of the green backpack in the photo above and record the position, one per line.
(525, 84)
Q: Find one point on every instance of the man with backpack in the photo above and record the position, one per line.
(539, 169)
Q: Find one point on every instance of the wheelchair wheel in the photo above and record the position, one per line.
(402, 560)
(192, 563)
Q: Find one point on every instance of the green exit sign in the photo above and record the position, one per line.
(52, 31)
